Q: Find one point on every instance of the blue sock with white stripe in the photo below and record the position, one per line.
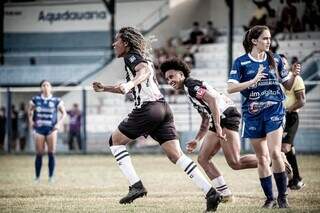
(124, 162)
(194, 173)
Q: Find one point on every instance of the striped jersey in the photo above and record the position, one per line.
(195, 90)
(46, 110)
(147, 90)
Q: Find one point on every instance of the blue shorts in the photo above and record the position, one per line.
(268, 120)
(44, 130)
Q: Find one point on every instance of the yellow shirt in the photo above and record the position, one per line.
(298, 85)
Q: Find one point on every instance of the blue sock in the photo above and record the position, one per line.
(38, 164)
(266, 184)
(281, 182)
(51, 163)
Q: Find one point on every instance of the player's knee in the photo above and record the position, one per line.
(203, 161)
(276, 155)
(234, 164)
(263, 160)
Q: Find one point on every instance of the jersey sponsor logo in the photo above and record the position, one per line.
(233, 72)
(245, 62)
(249, 72)
(256, 107)
(132, 59)
(254, 95)
(39, 109)
(252, 128)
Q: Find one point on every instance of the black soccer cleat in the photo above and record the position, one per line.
(283, 202)
(135, 191)
(213, 199)
(269, 204)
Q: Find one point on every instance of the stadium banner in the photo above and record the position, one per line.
(56, 18)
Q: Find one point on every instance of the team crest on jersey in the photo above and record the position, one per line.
(132, 59)
(196, 88)
(51, 104)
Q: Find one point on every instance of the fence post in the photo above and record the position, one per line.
(84, 120)
(9, 120)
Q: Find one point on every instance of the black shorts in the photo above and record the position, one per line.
(291, 128)
(153, 118)
(230, 119)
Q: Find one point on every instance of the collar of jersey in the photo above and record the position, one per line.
(255, 60)
(46, 98)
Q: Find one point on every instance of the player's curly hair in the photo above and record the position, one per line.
(254, 33)
(175, 64)
(136, 41)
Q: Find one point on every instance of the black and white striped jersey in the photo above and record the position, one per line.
(195, 90)
(147, 90)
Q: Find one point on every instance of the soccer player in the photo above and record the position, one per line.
(257, 75)
(219, 115)
(151, 116)
(295, 99)
(43, 118)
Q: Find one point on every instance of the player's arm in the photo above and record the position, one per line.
(63, 112)
(192, 145)
(204, 126)
(296, 68)
(142, 73)
(213, 105)
(31, 108)
(238, 87)
(300, 100)
(99, 87)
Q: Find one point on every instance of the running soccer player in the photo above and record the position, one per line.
(257, 75)
(151, 116)
(43, 118)
(219, 115)
(295, 99)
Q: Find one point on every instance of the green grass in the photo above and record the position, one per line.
(94, 183)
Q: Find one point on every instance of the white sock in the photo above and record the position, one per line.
(194, 173)
(124, 161)
(220, 184)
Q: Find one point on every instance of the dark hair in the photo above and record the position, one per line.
(135, 40)
(175, 64)
(254, 33)
(282, 56)
(44, 81)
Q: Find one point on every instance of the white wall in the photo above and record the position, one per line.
(181, 16)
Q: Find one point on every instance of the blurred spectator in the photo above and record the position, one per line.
(211, 34)
(309, 17)
(259, 16)
(289, 18)
(22, 126)
(2, 127)
(196, 34)
(14, 128)
(74, 126)
(294, 60)
(272, 22)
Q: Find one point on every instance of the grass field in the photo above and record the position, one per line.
(94, 183)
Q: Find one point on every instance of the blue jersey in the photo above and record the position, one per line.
(46, 111)
(267, 92)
